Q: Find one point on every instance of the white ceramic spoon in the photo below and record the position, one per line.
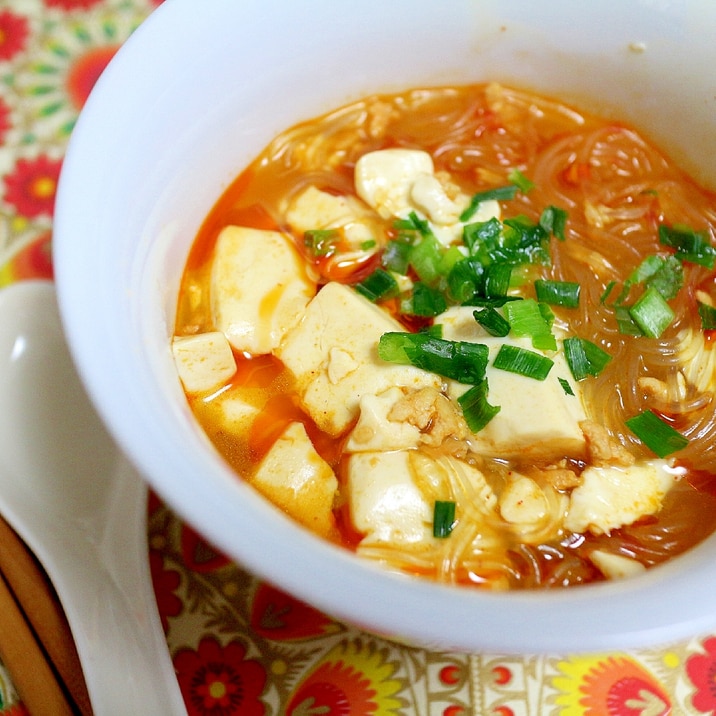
(79, 505)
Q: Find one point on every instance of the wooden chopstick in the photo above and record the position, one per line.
(48, 672)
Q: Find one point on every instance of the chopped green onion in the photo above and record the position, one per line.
(443, 518)
(607, 291)
(519, 360)
(584, 358)
(558, 293)
(425, 257)
(690, 245)
(665, 274)
(625, 323)
(475, 408)
(396, 256)
(566, 387)
(460, 360)
(496, 302)
(708, 316)
(465, 279)
(652, 313)
(378, 285)
(449, 259)
(526, 319)
(656, 434)
(321, 242)
(553, 220)
(497, 280)
(500, 193)
(413, 224)
(492, 321)
(482, 237)
(427, 301)
(520, 181)
(368, 244)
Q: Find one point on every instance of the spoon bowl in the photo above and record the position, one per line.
(81, 508)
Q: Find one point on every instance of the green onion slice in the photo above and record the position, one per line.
(492, 321)
(520, 181)
(500, 193)
(708, 316)
(519, 360)
(378, 285)
(690, 245)
(652, 313)
(566, 387)
(558, 293)
(321, 242)
(527, 319)
(475, 408)
(443, 518)
(656, 434)
(553, 220)
(460, 360)
(584, 358)
(427, 301)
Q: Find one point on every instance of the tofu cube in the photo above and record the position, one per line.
(611, 497)
(296, 479)
(316, 209)
(204, 361)
(396, 182)
(374, 432)
(615, 566)
(537, 419)
(385, 502)
(333, 356)
(259, 287)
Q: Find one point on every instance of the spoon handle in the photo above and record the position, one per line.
(115, 621)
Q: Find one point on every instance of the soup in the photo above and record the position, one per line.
(465, 332)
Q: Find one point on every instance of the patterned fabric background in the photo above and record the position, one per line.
(239, 646)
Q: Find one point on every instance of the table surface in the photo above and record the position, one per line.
(238, 645)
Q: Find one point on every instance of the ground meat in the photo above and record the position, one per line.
(602, 448)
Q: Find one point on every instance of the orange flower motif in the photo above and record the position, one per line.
(85, 71)
(353, 678)
(32, 186)
(609, 686)
(218, 680)
(14, 30)
(701, 669)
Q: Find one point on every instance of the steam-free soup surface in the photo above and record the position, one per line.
(465, 332)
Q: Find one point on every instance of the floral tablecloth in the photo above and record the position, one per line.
(238, 645)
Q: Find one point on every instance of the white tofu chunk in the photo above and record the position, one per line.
(374, 432)
(236, 413)
(396, 182)
(385, 503)
(384, 179)
(611, 497)
(615, 566)
(259, 287)
(333, 355)
(204, 361)
(295, 478)
(537, 418)
(316, 209)
(523, 501)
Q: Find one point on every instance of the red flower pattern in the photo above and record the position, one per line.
(165, 582)
(5, 123)
(32, 186)
(220, 681)
(85, 72)
(278, 616)
(337, 689)
(14, 31)
(701, 669)
(72, 4)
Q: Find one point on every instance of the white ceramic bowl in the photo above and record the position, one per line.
(188, 102)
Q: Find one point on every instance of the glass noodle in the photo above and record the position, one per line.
(617, 188)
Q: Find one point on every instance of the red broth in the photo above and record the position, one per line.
(616, 188)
